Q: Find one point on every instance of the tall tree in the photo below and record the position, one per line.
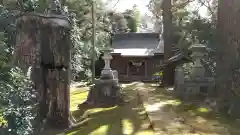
(167, 37)
(118, 21)
(82, 34)
(129, 15)
(228, 50)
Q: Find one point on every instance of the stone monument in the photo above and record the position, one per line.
(106, 90)
(107, 71)
(179, 78)
(44, 44)
(198, 52)
(196, 81)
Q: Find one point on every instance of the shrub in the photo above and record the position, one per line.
(16, 97)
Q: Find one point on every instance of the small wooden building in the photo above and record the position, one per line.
(137, 56)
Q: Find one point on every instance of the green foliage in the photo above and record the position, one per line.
(189, 28)
(119, 22)
(29, 5)
(16, 92)
(3, 56)
(128, 21)
(158, 74)
(81, 36)
(7, 27)
(131, 20)
(80, 54)
(17, 96)
(132, 17)
(137, 16)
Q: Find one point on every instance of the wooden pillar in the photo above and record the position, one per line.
(127, 68)
(145, 64)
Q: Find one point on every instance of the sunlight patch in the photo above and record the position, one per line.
(170, 89)
(76, 90)
(200, 119)
(100, 131)
(147, 132)
(128, 85)
(127, 127)
(96, 110)
(76, 98)
(174, 102)
(154, 85)
(203, 110)
(158, 106)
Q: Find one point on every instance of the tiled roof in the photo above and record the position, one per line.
(137, 44)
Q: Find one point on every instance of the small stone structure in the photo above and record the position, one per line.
(197, 80)
(107, 69)
(106, 91)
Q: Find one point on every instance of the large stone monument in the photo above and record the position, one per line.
(106, 90)
(43, 43)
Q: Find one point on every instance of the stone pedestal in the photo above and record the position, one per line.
(106, 91)
(179, 79)
(198, 71)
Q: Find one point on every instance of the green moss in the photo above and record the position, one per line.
(203, 110)
(128, 119)
(2, 120)
(118, 120)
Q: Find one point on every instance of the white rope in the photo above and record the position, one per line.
(137, 64)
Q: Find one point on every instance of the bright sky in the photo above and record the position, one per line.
(122, 5)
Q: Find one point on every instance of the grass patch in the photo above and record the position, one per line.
(2, 120)
(130, 119)
(196, 117)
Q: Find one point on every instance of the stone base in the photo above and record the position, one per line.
(105, 92)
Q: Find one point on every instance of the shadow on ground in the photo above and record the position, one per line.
(184, 117)
(128, 119)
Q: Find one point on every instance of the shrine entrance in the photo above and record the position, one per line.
(136, 68)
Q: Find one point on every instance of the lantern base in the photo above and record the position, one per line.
(106, 92)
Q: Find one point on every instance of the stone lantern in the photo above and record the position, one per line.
(198, 52)
(106, 90)
(107, 57)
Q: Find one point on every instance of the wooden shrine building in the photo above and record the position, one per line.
(137, 56)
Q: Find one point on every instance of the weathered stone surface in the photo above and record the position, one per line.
(43, 43)
(196, 81)
(106, 91)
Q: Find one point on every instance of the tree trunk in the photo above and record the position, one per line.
(228, 45)
(167, 37)
(44, 44)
